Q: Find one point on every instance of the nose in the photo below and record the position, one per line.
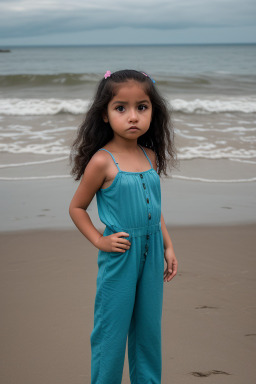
(133, 115)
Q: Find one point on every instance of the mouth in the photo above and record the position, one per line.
(133, 128)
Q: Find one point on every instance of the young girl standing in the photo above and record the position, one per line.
(120, 152)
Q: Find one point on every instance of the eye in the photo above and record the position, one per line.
(120, 108)
(142, 107)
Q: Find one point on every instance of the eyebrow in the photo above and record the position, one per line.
(126, 102)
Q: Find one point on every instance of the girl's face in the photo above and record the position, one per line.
(129, 113)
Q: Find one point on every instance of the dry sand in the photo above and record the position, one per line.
(48, 285)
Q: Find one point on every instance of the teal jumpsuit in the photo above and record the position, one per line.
(129, 292)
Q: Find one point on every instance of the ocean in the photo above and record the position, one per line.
(211, 89)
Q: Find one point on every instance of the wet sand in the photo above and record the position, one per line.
(48, 285)
(43, 204)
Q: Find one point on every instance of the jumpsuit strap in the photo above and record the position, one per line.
(103, 149)
(146, 155)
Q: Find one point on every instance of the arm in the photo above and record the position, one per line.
(92, 179)
(167, 239)
(169, 255)
(83, 196)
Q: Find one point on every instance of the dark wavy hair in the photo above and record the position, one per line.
(94, 133)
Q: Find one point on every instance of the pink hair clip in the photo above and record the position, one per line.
(153, 81)
(107, 74)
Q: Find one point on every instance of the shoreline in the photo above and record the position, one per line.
(44, 204)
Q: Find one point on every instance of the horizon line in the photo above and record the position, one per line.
(121, 45)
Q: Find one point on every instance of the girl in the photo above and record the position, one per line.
(126, 130)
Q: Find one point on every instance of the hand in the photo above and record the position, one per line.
(172, 264)
(113, 242)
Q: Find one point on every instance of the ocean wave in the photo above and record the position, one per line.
(33, 162)
(35, 177)
(44, 80)
(243, 161)
(238, 104)
(210, 152)
(195, 81)
(223, 130)
(187, 178)
(53, 106)
(213, 180)
(54, 148)
(207, 151)
(37, 107)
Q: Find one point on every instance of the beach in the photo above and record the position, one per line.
(49, 269)
(48, 284)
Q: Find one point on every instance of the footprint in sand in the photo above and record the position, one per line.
(209, 373)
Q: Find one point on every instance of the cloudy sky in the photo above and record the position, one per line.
(46, 22)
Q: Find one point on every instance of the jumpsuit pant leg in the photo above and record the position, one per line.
(144, 339)
(128, 302)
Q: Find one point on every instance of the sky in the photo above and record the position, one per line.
(89, 22)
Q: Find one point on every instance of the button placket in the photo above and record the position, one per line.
(148, 210)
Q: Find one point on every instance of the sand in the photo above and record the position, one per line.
(48, 285)
(43, 204)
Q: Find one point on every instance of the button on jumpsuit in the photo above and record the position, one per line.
(129, 292)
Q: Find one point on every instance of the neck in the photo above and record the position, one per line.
(121, 145)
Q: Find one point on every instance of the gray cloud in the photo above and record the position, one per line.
(24, 18)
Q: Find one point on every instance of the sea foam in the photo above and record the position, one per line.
(37, 107)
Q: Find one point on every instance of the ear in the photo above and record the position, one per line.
(105, 117)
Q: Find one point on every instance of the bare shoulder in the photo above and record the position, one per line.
(99, 160)
(92, 179)
(96, 169)
(101, 166)
(152, 155)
